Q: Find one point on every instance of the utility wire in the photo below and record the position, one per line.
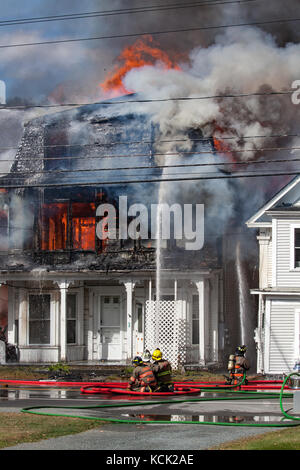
(153, 33)
(204, 177)
(158, 141)
(147, 167)
(16, 175)
(155, 154)
(153, 100)
(94, 14)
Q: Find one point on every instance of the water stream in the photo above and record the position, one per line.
(246, 313)
(158, 261)
(241, 294)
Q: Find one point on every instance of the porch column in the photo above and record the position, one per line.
(63, 286)
(201, 292)
(264, 239)
(129, 286)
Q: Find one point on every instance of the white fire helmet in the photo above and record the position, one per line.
(146, 356)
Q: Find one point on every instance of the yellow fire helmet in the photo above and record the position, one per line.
(157, 355)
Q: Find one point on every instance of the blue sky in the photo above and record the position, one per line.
(33, 72)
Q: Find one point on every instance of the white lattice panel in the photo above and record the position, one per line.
(166, 329)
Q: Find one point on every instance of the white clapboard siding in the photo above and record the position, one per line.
(285, 277)
(281, 335)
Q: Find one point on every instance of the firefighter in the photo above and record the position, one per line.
(163, 372)
(238, 365)
(146, 356)
(143, 378)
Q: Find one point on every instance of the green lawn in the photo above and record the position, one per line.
(16, 428)
(287, 439)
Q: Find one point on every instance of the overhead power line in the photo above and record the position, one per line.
(152, 100)
(15, 175)
(152, 33)
(158, 141)
(147, 155)
(204, 177)
(151, 142)
(124, 11)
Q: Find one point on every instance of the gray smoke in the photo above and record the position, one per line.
(239, 62)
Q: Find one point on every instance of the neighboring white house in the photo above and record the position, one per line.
(278, 330)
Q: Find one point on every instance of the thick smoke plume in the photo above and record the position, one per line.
(240, 62)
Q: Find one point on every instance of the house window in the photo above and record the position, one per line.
(84, 226)
(54, 226)
(195, 320)
(297, 248)
(71, 318)
(139, 318)
(39, 319)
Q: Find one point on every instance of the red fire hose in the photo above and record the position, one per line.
(181, 388)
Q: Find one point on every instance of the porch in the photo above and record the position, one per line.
(98, 318)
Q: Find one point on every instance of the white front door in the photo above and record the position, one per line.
(138, 330)
(110, 326)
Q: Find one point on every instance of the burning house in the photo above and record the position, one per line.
(76, 296)
(80, 291)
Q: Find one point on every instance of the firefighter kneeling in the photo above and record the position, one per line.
(163, 372)
(237, 366)
(142, 379)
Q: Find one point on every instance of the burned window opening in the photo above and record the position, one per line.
(83, 226)
(69, 224)
(54, 231)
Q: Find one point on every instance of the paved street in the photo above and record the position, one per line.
(116, 436)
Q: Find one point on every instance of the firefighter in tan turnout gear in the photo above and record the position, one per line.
(238, 365)
(143, 378)
(163, 372)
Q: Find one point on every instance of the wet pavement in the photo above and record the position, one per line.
(182, 417)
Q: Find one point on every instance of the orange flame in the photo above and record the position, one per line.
(219, 144)
(142, 52)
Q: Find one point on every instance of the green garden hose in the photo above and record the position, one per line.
(281, 394)
(242, 395)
